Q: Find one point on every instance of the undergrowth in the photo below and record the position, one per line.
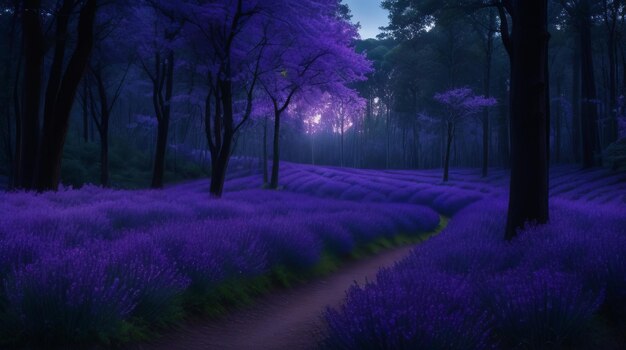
(240, 293)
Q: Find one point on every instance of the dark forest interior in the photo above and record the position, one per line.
(172, 171)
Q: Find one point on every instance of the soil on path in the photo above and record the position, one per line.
(287, 319)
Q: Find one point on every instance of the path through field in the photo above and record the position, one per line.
(287, 319)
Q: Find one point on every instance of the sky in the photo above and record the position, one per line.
(369, 14)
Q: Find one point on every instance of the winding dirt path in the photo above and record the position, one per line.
(286, 319)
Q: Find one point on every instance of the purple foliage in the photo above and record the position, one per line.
(541, 290)
(405, 312)
(67, 296)
(539, 309)
(144, 268)
(78, 263)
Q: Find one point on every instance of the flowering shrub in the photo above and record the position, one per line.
(67, 296)
(539, 309)
(405, 312)
(472, 289)
(83, 264)
(80, 265)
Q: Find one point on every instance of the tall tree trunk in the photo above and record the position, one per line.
(33, 42)
(276, 151)
(404, 147)
(220, 155)
(163, 124)
(7, 88)
(503, 135)
(15, 178)
(416, 144)
(103, 128)
(446, 162)
(485, 155)
(557, 122)
(528, 199)
(312, 150)
(56, 126)
(623, 57)
(104, 155)
(612, 129)
(487, 92)
(588, 94)
(158, 170)
(85, 114)
(576, 111)
(56, 67)
(219, 167)
(388, 134)
(265, 170)
(341, 145)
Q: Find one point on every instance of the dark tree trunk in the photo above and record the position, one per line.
(487, 92)
(159, 155)
(276, 151)
(56, 125)
(15, 175)
(528, 199)
(7, 88)
(33, 42)
(264, 162)
(416, 145)
(612, 129)
(576, 117)
(163, 123)
(341, 143)
(219, 167)
(56, 67)
(557, 123)
(485, 155)
(312, 151)
(388, 134)
(220, 154)
(85, 114)
(104, 155)
(446, 162)
(103, 128)
(503, 135)
(588, 94)
(623, 57)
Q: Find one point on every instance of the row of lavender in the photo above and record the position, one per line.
(559, 286)
(366, 186)
(81, 264)
(465, 187)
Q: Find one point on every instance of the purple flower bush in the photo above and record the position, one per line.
(540, 309)
(66, 296)
(81, 265)
(401, 311)
(467, 288)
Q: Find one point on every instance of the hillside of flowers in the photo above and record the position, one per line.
(95, 264)
(559, 286)
(79, 265)
(556, 286)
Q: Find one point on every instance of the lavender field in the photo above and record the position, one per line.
(561, 285)
(313, 174)
(81, 265)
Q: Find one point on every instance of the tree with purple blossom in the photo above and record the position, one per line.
(459, 104)
(321, 59)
